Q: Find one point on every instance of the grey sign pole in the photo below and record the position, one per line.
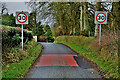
(22, 36)
(99, 36)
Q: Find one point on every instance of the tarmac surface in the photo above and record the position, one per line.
(58, 61)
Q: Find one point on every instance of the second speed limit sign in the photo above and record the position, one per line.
(100, 17)
(21, 17)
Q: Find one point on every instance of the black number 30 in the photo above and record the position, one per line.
(101, 17)
(22, 18)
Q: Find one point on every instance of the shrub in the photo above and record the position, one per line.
(48, 33)
(42, 39)
(74, 39)
(109, 45)
(84, 33)
(11, 39)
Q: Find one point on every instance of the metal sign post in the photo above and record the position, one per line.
(22, 18)
(22, 36)
(100, 18)
(99, 36)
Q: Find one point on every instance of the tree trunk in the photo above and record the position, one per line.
(85, 16)
(96, 30)
(74, 30)
(81, 17)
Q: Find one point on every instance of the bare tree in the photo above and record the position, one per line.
(4, 8)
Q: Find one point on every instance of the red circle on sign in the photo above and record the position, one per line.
(101, 21)
(25, 16)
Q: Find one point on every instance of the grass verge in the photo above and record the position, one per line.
(19, 69)
(109, 67)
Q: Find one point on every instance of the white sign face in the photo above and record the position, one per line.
(100, 17)
(21, 17)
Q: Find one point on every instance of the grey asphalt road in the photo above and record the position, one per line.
(84, 70)
(54, 48)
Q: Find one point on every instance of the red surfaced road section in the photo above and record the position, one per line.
(57, 60)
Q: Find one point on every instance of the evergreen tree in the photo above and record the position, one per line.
(48, 33)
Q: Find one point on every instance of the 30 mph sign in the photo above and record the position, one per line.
(100, 17)
(21, 17)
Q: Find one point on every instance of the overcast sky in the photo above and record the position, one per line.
(16, 6)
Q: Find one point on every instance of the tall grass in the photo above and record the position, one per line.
(74, 39)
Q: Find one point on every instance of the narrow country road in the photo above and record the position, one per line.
(58, 61)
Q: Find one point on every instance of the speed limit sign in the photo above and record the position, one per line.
(100, 17)
(21, 17)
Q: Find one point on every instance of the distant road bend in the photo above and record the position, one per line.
(58, 61)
